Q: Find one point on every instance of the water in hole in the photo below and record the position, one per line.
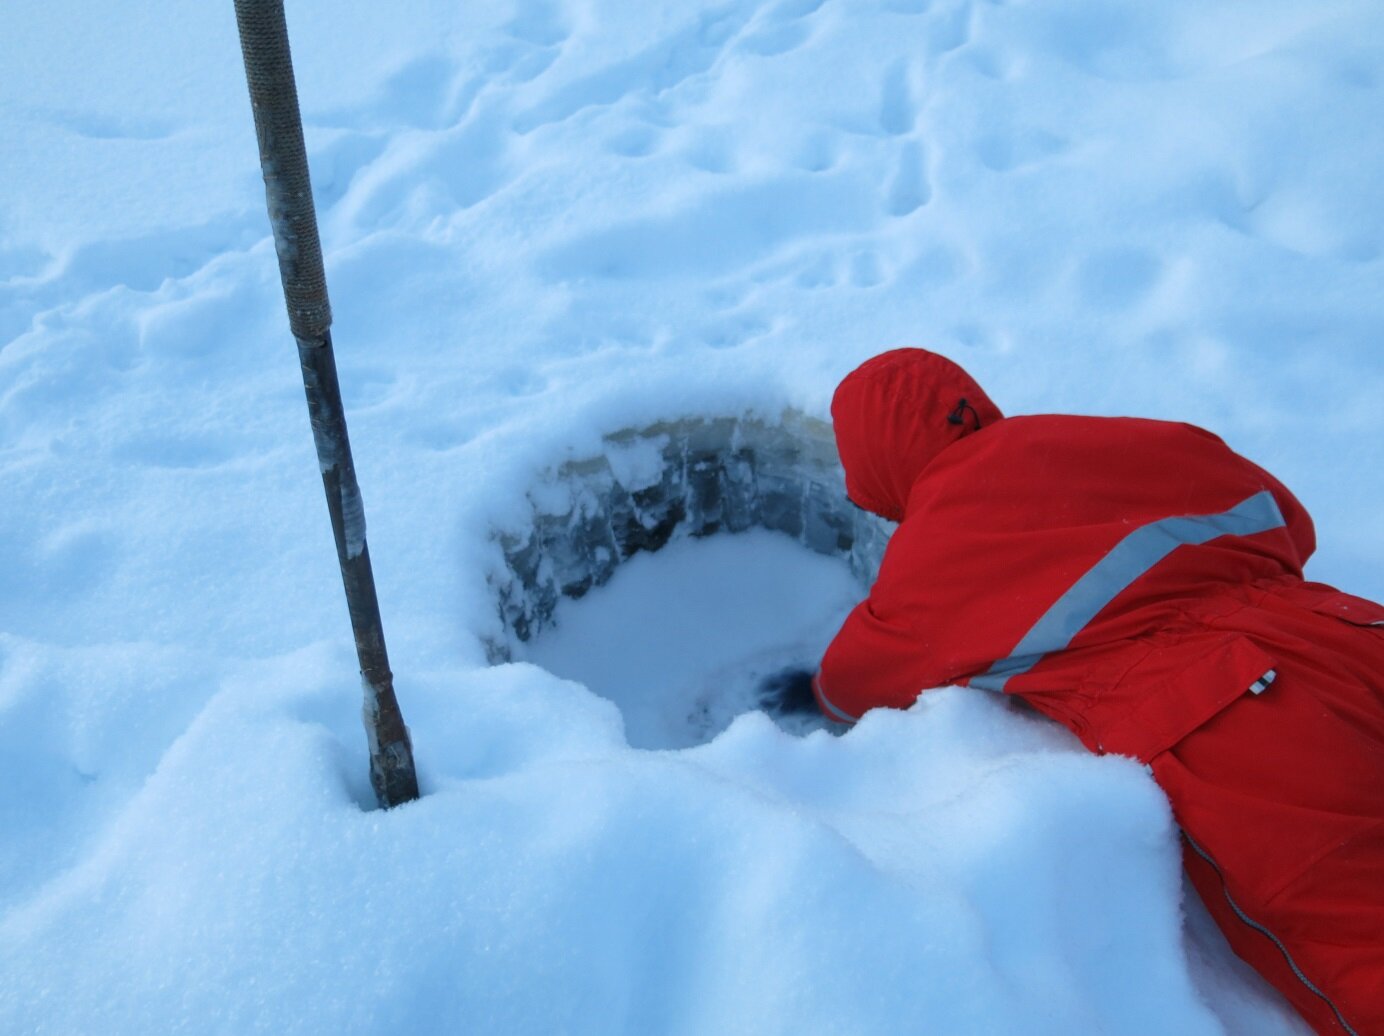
(680, 639)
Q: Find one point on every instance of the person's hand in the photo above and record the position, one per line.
(788, 691)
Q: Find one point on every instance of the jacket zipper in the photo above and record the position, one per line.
(1265, 932)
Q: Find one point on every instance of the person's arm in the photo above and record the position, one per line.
(1300, 528)
(1298, 522)
(873, 662)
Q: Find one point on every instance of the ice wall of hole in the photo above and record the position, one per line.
(693, 477)
(687, 478)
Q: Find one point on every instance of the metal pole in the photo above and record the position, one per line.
(274, 98)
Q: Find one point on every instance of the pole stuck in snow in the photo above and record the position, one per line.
(288, 191)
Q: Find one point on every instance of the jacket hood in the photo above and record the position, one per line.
(893, 414)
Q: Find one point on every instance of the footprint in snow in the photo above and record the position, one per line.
(664, 65)
(949, 30)
(772, 40)
(720, 232)
(897, 111)
(908, 189)
(539, 23)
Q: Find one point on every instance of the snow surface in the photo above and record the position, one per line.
(544, 223)
(731, 610)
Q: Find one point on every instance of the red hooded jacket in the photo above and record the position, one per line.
(1132, 579)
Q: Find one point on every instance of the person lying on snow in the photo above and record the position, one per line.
(1140, 583)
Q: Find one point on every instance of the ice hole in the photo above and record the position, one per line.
(689, 624)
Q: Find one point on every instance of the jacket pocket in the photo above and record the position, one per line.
(1324, 600)
(1178, 688)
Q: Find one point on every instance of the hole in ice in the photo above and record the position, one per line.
(680, 640)
(688, 625)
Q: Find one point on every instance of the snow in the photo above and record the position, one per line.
(547, 224)
(680, 674)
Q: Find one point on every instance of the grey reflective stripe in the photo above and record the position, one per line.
(840, 715)
(1230, 900)
(1129, 559)
(1262, 684)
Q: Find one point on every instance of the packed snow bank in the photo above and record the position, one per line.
(938, 870)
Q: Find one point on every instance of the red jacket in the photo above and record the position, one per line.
(1133, 579)
(1074, 561)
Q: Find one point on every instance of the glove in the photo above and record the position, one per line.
(788, 691)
